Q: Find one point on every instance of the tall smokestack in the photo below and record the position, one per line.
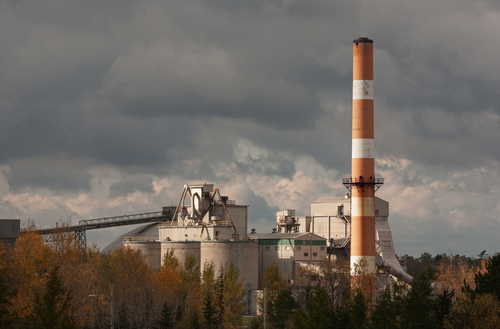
(362, 183)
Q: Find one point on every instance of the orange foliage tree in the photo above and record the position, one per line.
(453, 273)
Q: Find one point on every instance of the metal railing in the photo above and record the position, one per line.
(123, 220)
(361, 183)
(362, 180)
(141, 239)
(195, 224)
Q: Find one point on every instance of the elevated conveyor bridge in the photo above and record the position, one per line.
(105, 222)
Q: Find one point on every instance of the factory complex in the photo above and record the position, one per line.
(214, 229)
(353, 228)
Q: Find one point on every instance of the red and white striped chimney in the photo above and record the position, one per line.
(362, 183)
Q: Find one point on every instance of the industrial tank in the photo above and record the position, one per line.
(181, 249)
(151, 250)
(244, 254)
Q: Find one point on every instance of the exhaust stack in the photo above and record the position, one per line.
(363, 183)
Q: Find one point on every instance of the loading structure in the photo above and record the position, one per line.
(99, 223)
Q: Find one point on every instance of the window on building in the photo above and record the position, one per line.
(315, 254)
(267, 248)
(297, 247)
(376, 212)
(322, 248)
(276, 248)
(341, 210)
(306, 254)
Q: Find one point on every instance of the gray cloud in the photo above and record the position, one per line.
(130, 185)
(59, 174)
(98, 102)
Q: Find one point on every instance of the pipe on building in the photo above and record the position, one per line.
(399, 272)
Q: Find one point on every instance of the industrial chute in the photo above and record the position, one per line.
(200, 205)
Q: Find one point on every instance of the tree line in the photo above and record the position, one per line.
(58, 285)
(454, 294)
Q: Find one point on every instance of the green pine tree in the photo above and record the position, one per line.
(284, 307)
(420, 306)
(195, 321)
(209, 311)
(166, 317)
(389, 308)
(319, 313)
(53, 309)
(489, 282)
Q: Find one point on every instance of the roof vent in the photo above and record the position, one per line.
(253, 231)
(275, 230)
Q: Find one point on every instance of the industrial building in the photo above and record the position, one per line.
(9, 231)
(214, 228)
(204, 224)
(289, 250)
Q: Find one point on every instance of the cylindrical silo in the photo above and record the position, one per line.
(181, 249)
(150, 250)
(243, 253)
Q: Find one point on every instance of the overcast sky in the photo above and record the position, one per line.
(109, 108)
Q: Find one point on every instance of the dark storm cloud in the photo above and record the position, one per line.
(59, 174)
(130, 185)
(268, 165)
(188, 89)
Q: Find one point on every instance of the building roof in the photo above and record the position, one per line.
(144, 230)
(265, 236)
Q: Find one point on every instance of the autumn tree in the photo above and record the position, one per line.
(76, 269)
(133, 287)
(335, 277)
(188, 292)
(30, 262)
(234, 303)
(167, 284)
(272, 280)
(453, 273)
(7, 292)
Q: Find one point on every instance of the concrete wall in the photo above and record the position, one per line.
(238, 215)
(330, 227)
(330, 206)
